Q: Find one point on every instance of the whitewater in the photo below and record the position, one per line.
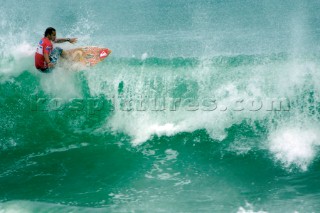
(203, 106)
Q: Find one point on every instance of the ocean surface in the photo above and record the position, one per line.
(203, 106)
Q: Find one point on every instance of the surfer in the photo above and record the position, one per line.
(46, 57)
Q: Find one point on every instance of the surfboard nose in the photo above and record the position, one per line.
(104, 53)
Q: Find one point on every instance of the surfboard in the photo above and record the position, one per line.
(88, 56)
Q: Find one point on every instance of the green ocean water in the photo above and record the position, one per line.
(203, 106)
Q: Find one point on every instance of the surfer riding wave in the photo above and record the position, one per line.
(46, 57)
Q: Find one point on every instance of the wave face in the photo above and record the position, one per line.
(202, 106)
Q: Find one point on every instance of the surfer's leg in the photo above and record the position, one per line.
(55, 54)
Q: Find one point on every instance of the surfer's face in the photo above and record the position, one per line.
(52, 37)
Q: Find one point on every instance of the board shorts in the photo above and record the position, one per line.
(54, 56)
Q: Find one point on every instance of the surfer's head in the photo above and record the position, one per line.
(50, 33)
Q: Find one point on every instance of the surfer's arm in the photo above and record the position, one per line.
(46, 58)
(61, 40)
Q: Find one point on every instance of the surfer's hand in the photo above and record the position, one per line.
(50, 65)
(73, 40)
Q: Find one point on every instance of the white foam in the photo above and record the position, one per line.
(23, 50)
(295, 146)
(61, 84)
(249, 209)
(16, 58)
(22, 206)
(167, 129)
(143, 125)
(264, 82)
(144, 56)
(171, 154)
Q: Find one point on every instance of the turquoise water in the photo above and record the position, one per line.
(203, 106)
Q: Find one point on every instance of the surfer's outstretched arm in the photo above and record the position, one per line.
(61, 40)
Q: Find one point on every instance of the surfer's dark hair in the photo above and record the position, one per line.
(49, 31)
